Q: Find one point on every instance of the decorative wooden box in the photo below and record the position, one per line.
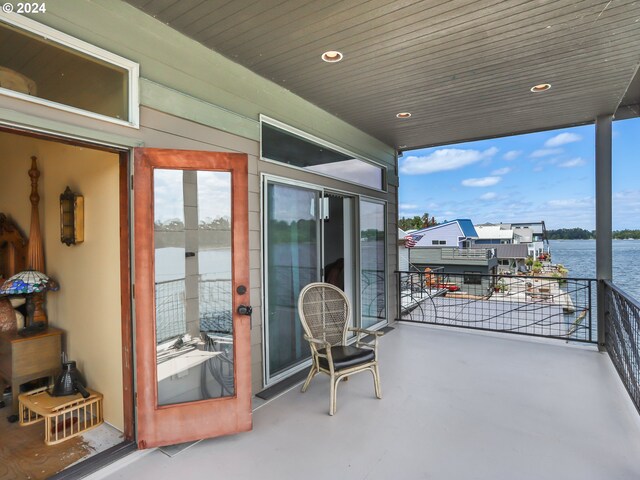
(23, 359)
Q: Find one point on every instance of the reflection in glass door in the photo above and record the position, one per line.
(372, 263)
(338, 244)
(193, 275)
(312, 236)
(293, 261)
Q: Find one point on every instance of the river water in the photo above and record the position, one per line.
(579, 256)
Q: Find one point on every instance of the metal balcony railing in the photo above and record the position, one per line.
(553, 307)
(467, 253)
(622, 337)
(373, 295)
(214, 304)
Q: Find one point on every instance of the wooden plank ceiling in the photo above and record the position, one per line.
(463, 68)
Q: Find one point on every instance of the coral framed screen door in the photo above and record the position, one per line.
(191, 249)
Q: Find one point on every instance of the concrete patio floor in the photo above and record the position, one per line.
(456, 405)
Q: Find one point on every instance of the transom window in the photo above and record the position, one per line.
(43, 65)
(294, 150)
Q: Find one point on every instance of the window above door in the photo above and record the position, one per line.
(284, 144)
(45, 66)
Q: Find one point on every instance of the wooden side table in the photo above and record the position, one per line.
(64, 417)
(23, 359)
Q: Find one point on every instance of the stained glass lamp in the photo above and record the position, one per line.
(27, 284)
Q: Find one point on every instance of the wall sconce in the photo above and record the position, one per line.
(71, 218)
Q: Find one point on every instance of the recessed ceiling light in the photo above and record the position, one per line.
(403, 115)
(332, 56)
(542, 87)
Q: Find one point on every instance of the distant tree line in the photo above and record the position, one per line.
(177, 225)
(417, 222)
(372, 234)
(571, 234)
(300, 231)
(582, 234)
(624, 234)
(212, 233)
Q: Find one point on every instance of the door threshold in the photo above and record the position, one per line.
(276, 389)
(101, 464)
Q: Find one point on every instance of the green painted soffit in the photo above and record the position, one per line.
(168, 58)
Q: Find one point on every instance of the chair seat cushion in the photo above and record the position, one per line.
(346, 356)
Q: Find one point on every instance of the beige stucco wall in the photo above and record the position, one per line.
(87, 306)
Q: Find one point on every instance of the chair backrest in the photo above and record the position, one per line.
(324, 312)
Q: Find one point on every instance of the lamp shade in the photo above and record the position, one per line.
(28, 282)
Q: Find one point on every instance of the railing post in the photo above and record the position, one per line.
(399, 294)
(603, 217)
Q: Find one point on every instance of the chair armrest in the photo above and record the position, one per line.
(317, 343)
(362, 332)
(375, 333)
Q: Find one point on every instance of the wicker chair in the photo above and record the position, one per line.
(325, 313)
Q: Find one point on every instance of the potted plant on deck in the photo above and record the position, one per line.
(529, 262)
(501, 287)
(536, 267)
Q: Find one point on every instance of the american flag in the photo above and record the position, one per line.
(411, 240)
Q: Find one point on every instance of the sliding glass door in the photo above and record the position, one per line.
(293, 260)
(373, 305)
(311, 235)
(338, 232)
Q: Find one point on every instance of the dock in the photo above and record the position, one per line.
(534, 290)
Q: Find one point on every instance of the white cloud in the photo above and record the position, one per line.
(444, 159)
(571, 203)
(627, 195)
(350, 169)
(214, 190)
(488, 196)
(574, 162)
(407, 206)
(562, 139)
(481, 182)
(626, 209)
(512, 154)
(545, 152)
(501, 171)
(569, 212)
(409, 214)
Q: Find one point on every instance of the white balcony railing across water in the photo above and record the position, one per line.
(467, 253)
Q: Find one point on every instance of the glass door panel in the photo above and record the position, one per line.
(193, 341)
(307, 229)
(372, 263)
(193, 275)
(338, 244)
(293, 261)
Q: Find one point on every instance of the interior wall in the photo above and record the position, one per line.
(87, 306)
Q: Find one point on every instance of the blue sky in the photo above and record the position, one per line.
(540, 176)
